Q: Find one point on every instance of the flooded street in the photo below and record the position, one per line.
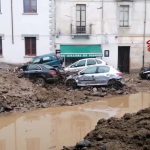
(50, 129)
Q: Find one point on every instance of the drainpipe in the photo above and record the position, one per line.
(12, 23)
(144, 31)
(102, 26)
(102, 20)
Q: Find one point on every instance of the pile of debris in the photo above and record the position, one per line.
(19, 94)
(130, 132)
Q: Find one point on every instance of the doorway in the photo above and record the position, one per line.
(124, 58)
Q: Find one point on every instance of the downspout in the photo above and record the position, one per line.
(12, 23)
(102, 24)
(144, 32)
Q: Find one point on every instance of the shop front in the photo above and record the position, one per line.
(72, 53)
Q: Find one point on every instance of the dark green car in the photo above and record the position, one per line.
(49, 59)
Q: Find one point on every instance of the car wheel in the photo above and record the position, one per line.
(19, 75)
(115, 84)
(71, 83)
(40, 81)
(147, 76)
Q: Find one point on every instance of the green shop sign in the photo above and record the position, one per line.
(81, 50)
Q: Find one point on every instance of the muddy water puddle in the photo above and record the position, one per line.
(50, 129)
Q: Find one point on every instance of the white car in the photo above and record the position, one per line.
(84, 63)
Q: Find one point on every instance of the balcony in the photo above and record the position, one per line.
(80, 31)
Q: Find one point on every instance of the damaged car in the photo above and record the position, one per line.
(96, 76)
(145, 73)
(48, 59)
(40, 73)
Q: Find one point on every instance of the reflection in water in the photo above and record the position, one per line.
(50, 129)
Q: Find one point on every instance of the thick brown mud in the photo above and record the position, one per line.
(131, 132)
(53, 128)
(19, 94)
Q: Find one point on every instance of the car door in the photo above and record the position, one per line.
(102, 75)
(86, 76)
(32, 71)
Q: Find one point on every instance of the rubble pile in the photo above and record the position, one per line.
(19, 94)
(130, 132)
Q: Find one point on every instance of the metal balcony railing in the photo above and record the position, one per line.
(81, 30)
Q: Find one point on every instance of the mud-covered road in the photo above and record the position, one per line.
(128, 133)
(19, 94)
(131, 132)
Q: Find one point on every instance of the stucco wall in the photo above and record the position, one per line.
(106, 30)
(31, 24)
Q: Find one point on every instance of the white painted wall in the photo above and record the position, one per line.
(112, 35)
(32, 24)
(43, 24)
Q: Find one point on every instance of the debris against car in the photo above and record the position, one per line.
(96, 76)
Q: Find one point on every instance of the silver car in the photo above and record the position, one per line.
(84, 63)
(96, 76)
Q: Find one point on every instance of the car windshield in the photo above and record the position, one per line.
(36, 60)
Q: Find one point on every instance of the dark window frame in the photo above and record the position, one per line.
(122, 21)
(82, 10)
(30, 46)
(30, 8)
(1, 46)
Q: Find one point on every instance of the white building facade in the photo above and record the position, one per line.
(116, 29)
(26, 29)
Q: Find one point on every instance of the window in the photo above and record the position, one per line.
(1, 46)
(81, 63)
(124, 15)
(81, 18)
(30, 46)
(98, 61)
(91, 62)
(90, 70)
(47, 59)
(30, 6)
(34, 67)
(103, 69)
(36, 60)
